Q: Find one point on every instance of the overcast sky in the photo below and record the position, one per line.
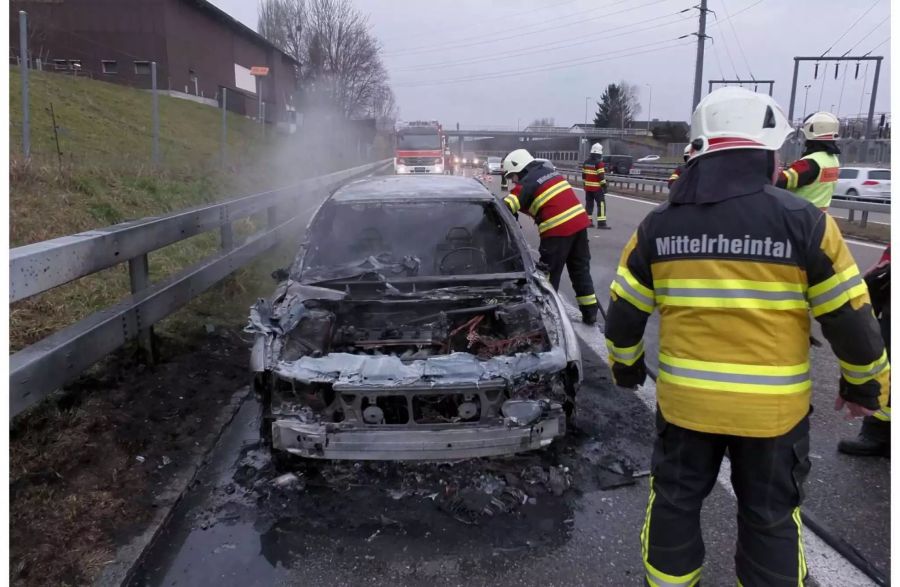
(507, 62)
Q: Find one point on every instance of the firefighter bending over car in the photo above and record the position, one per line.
(593, 174)
(814, 176)
(546, 196)
(680, 169)
(734, 266)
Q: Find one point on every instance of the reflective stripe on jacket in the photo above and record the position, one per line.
(593, 173)
(546, 196)
(821, 189)
(735, 281)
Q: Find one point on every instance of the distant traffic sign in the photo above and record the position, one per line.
(259, 71)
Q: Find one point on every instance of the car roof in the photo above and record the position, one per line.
(868, 168)
(413, 187)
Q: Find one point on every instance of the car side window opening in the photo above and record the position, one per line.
(848, 174)
(882, 174)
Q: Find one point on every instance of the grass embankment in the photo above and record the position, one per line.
(105, 176)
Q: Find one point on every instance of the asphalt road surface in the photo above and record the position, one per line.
(382, 524)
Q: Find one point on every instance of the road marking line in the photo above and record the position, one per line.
(826, 565)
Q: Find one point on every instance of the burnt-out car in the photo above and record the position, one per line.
(413, 325)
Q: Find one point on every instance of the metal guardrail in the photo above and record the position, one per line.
(658, 186)
(58, 359)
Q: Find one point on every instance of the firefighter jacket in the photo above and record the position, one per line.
(735, 266)
(813, 177)
(546, 196)
(593, 173)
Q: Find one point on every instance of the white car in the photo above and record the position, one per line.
(864, 182)
(648, 159)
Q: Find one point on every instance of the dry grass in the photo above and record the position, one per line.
(105, 177)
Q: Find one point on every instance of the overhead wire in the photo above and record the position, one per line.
(551, 67)
(624, 30)
(866, 54)
(730, 60)
(480, 40)
(850, 28)
(736, 38)
(718, 22)
(866, 36)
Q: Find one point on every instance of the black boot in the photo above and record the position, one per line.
(603, 225)
(874, 439)
(589, 314)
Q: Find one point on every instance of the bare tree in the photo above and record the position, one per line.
(282, 22)
(340, 59)
(546, 121)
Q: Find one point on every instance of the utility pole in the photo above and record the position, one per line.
(701, 42)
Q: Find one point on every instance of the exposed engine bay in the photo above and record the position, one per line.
(409, 360)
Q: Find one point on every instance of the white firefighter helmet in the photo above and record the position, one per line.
(821, 126)
(688, 150)
(597, 149)
(735, 118)
(516, 161)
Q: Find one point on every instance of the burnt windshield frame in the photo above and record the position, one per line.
(372, 229)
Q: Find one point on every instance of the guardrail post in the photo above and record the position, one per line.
(864, 218)
(155, 106)
(226, 233)
(850, 215)
(23, 70)
(139, 276)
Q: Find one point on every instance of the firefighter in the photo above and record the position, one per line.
(735, 266)
(875, 435)
(546, 196)
(680, 169)
(813, 176)
(593, 174)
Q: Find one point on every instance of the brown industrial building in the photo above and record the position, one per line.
(198, 49)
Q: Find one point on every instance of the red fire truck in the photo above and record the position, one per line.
(420, 147)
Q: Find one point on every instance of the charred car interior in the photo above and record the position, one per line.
(413, 326)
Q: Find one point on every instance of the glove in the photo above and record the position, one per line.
(630, 376)
(865, 395)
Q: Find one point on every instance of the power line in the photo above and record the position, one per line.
(480, 40)
(550, 67)
(543, 48)
(850, 28)
(877, 46)
(718, 60)
(741, 11)
(866, 36)
(728, 53)
(736, 38)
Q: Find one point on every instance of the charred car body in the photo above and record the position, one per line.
(413, 325)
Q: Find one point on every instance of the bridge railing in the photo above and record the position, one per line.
(60, 358)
